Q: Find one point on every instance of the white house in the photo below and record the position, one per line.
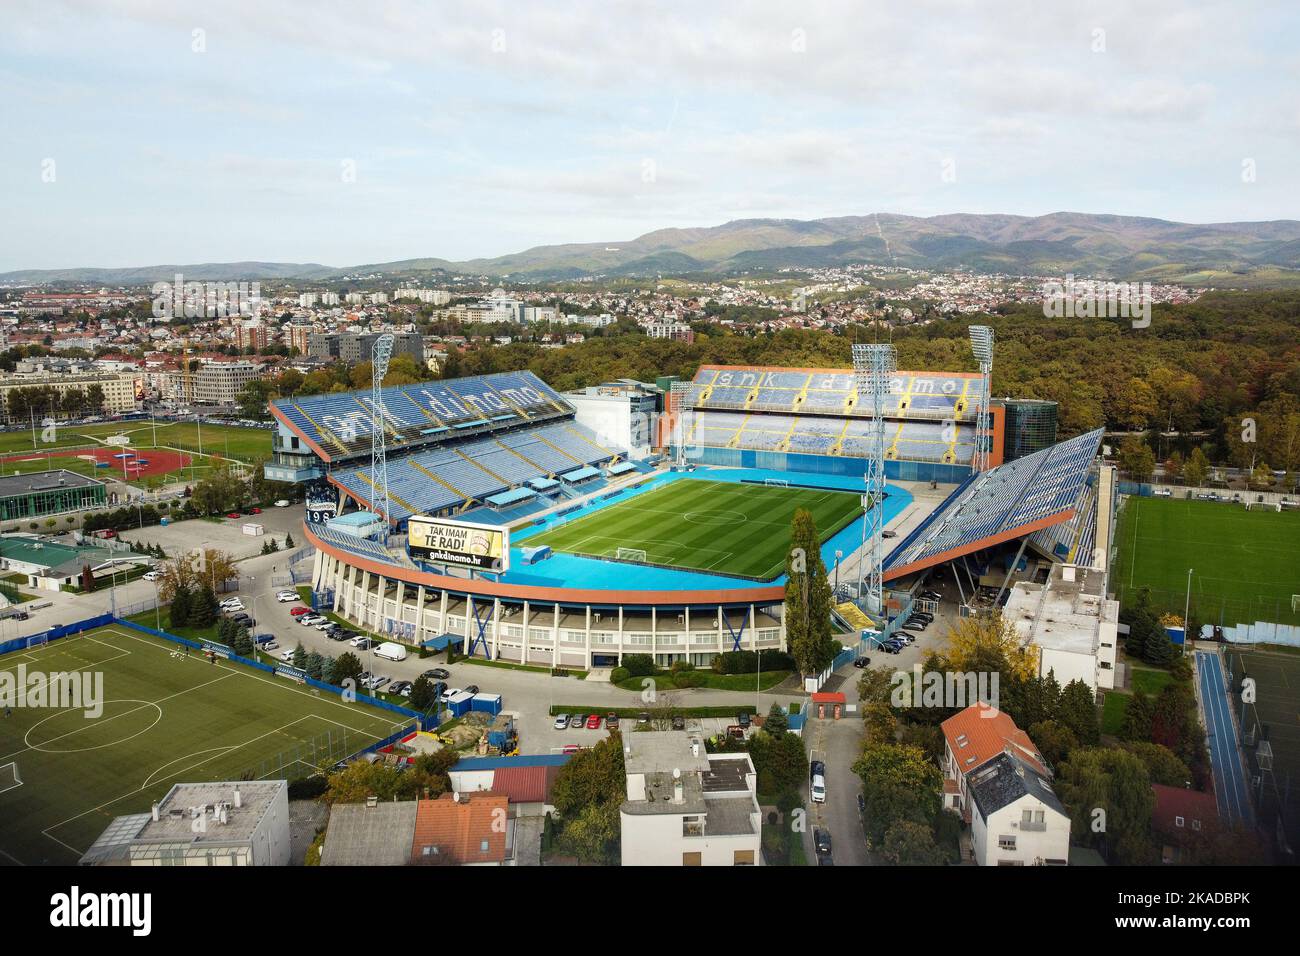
(686, 807)
(1016, 819)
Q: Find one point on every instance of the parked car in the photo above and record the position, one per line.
(151, 576)
(643, 718)
(743, 719)
(287, 656)
(611, 721)
(577, 722)
(593, 722)
(282, 503)
(286, 596)
(234, 514)
(862, 662)
(816, 768)
(311, 620)
(437, 673)
(401, 688)
(561, 722)
(914, 626)
(822, 841)
(299, 611)
(889, 534)
(325, 625)
(818, 789)
(243, 619)
(448, 694)
(273, 646)
(232, 604)
(471, 688)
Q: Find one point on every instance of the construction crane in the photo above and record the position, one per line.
(379, 356)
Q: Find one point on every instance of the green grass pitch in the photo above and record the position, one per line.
(733, 528)
(1246, 564)
(166, 720)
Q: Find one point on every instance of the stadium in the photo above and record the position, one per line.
(570, 529)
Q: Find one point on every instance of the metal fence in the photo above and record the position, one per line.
(322, 753)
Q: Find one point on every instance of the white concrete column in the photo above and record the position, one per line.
(523, 649)
(419, 616)
(496, 627)
(753, 629)
(555, 637)
(588, 638)
(381, 604)
(470, 625)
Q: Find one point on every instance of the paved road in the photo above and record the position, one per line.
(1230, 788)
(838, 743)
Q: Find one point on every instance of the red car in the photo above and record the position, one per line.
(593, 722)
(254, 511)
(234, 514)
(299, 611)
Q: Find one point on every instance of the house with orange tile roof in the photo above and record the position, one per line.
(972, 738)
(462, 829)
(1181, 818)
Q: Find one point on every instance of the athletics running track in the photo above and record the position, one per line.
(1230, 787)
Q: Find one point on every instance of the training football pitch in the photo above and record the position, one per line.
(167, 718)
(727, 527)
(1276, 673)
(1246, 564)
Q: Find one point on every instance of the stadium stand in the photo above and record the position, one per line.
(496, 440)
(815, 412)
(1010, 500)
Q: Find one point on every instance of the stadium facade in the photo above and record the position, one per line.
(507, 452)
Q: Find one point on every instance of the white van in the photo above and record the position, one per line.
(391, 651)
(818, 788)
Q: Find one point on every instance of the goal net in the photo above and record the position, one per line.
(37, 641)
(630, 554)
(1295, 603)
(776, 482)
(9, 779)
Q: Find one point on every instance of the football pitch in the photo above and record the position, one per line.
(1246, 564)
(166, 718)
(1277, 705)
(727, 527)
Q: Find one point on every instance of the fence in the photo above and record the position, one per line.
(1224, 611)
(321, 753)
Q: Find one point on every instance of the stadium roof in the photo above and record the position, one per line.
(339, 426)
(13, 485)
(1003, 503)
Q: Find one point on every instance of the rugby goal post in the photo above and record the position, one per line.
(631, 554)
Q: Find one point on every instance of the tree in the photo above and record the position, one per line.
(1136, 458)
(898, 783)
(587, 793)
(179, 611)
(422, 695)
(203, 607)
(1163, 765)
(1196, 469)
(909, 843)
(1054, 740)
(1108, 795)
(1078, 712)
(346, 667)
(781, 762)
(777, 722)
(808, 598)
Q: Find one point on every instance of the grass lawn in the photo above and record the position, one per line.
(1114, 707)
(1246, 564)
(230, 441)
(165, 719)
(1149, 680)
(721, 526)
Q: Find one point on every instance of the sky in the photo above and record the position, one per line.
(140, 132)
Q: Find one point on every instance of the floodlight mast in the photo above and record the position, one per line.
(981, 344)
(381, 352)
(874, 366)
(683, 396)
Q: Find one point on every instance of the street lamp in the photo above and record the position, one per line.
(1187, 609)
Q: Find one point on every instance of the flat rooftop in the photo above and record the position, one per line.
(17, 485)
(49, 554)
(175, 816)
(662, 751)
(1062, 615)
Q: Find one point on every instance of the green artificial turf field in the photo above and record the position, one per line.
(166, 719)
(727, 527)
(1246, 564)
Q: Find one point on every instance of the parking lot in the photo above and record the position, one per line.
(223, 534)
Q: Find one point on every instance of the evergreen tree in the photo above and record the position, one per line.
(1078, 712)
(288, 540)
(203, 610)
(180, 608)
(777, 722)
(808, 598)
(300, 656)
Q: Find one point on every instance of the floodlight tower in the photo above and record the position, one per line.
(981, 344)
(379, 356)
(874, 366)
(683, 394)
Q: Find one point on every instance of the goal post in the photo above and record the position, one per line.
(631, 554)
(1295, 603)
(777, 482)
(9, 779)
(37, 640)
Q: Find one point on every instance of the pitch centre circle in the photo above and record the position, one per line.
(715, 517)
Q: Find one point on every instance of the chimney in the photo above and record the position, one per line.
(372, 802)
(238, 800)
(695, 748)
(155, 813)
